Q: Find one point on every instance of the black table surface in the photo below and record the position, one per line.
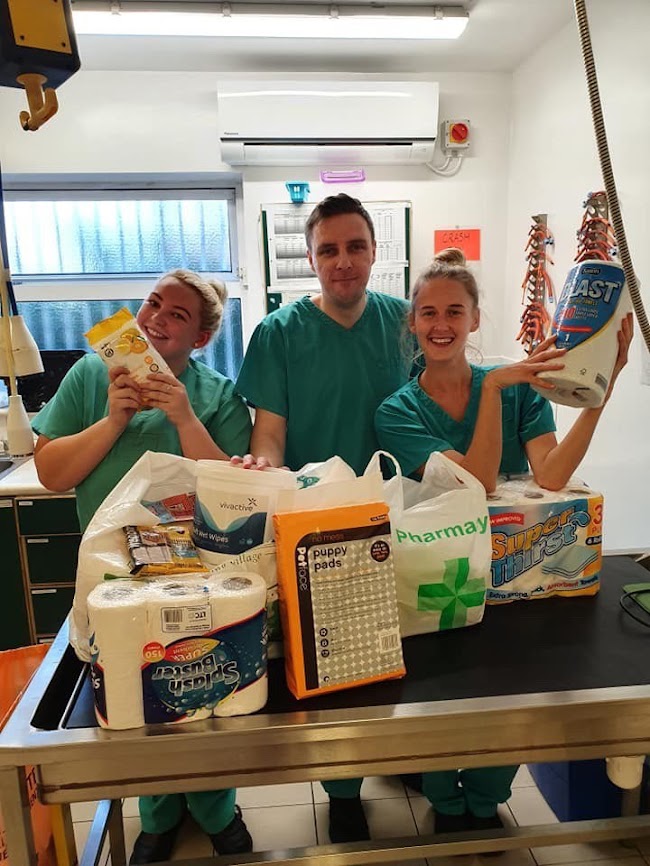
(526, 647)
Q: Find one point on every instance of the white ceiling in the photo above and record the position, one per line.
(499, 35)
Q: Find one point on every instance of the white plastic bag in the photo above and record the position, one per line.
(441, 547)
(155, 476)
(332, 484)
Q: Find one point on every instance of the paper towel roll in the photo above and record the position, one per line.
(117, 616)
(238, 602)
(544, 542)
(177, 676)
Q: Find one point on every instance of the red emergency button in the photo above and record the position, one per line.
(458, 133)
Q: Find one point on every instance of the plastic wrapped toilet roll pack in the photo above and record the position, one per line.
(544, 542)
(173, 651)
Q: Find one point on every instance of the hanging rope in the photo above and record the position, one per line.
(606, 168)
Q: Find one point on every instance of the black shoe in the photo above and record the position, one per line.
(347, 820)
(444, 823)
(153, 847)
(233, 839)
(492, 822)
(413, 781)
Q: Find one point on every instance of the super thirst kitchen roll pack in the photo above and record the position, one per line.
(174, 651)
(544, 542)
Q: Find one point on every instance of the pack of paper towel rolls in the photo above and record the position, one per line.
(173, 651)
(544, 542)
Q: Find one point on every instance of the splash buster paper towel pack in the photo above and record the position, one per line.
(544, 542)
(177, 651)
(337, 598)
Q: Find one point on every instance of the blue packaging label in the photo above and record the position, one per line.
(243, 526)
(588, 301)
(196, 673)
(99, 689)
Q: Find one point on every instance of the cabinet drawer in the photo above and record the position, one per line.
(52, 558)
(51, 606)
(47, 516)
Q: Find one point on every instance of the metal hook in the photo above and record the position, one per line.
(43, 104)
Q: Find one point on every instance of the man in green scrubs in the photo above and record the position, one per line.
(316, 371)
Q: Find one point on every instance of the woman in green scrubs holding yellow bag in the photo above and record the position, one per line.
(92, 432)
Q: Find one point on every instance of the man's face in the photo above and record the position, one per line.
(341, 255)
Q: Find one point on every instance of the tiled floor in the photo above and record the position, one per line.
(290, 816)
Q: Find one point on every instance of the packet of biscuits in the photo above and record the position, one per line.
(119, 341)
(163, 549)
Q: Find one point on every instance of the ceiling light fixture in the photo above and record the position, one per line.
(267, 20)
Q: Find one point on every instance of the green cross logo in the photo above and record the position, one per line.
(454, 595)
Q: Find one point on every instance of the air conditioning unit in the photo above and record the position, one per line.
(329, 123)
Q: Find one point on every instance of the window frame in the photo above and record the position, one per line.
(147, 187)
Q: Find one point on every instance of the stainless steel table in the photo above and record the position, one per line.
(548, 680)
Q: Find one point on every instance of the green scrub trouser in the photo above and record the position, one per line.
(478, 791)
(452, 792)
(212, 810)
(346, 789)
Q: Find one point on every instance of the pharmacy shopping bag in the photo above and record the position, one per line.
(442, 547)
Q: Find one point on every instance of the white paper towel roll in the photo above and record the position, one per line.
(238, 601)
(177, 675)
(178, 650)
(118, 619)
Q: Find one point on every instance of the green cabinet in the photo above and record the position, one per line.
(51, 558)
(47, 515)
(49, 536)
(16, 631)
(50, 606)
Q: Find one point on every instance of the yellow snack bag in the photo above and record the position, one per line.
(162, 549)
(121, 343)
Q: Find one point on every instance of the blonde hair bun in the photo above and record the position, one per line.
(220, 290)
(451, 256)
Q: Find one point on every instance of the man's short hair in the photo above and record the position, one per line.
(335, 205)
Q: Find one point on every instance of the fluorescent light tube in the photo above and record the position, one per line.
(156, 23)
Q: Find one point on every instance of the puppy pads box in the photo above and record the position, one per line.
(544, 542)
(337, 598)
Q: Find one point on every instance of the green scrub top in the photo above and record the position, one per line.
(411, 425)
(327, 380)
(82, 400)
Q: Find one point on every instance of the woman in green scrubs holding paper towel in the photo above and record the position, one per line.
(92, 432)
(490, 421)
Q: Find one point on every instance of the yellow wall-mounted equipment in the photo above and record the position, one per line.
(38, 50)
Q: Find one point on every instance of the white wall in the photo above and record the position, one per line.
(118, 122)
(474, 198)
(553, 165)
(167, 122)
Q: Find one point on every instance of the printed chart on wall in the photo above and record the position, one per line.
(288, 275)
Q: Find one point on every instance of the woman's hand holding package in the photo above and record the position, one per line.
(544, 359)
(124, 398)
(167, 393)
